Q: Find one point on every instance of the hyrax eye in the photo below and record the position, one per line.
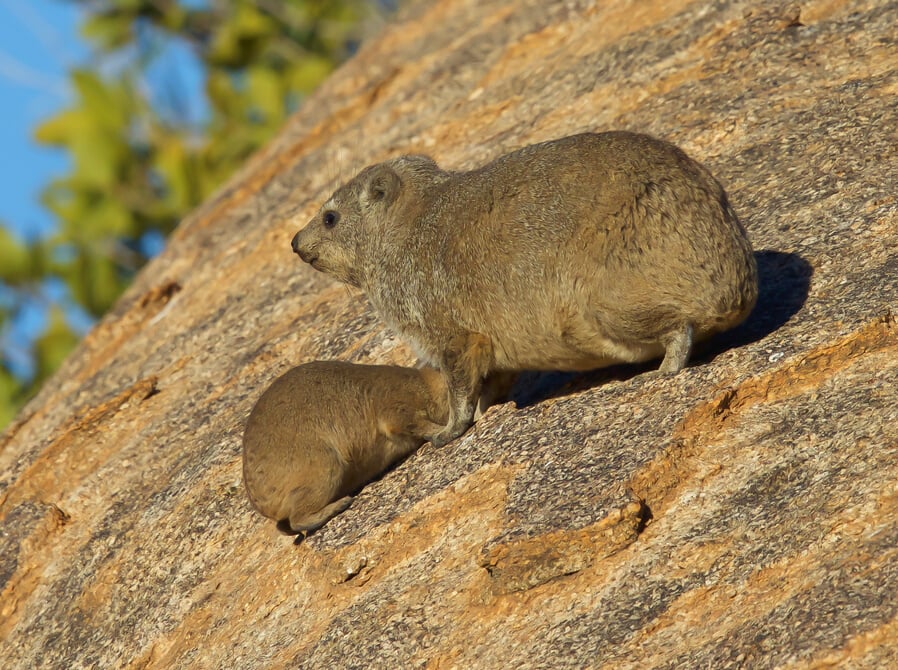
(330, 218)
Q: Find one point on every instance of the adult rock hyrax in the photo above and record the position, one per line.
(324, 429)
(573, 254)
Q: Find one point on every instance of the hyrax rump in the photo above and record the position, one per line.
(324, 429)
(572, 254)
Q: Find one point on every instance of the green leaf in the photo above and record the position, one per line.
(54, 345)
(15, 259)
(61, 129)
(109, 30)
(266, 90)
(240, 39)
(306, 74)
(107, 104)
(108, 218)
(10, 398)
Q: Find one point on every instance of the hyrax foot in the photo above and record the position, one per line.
(310, 522)
(679, 345)
(448, 434)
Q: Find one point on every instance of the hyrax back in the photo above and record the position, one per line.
(323, 429)
(569, 255)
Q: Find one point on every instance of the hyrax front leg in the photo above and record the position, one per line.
(465, 363)
(678, 345)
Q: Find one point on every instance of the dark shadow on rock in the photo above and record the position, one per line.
(783, 283)
(532, 388)
(784, 280)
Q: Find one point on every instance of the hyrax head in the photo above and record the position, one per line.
(355, 218)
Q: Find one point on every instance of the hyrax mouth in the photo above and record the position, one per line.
(307, 255)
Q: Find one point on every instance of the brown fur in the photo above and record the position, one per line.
(568, 255)
(324, 429)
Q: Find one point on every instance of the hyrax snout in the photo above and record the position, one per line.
(568, 255)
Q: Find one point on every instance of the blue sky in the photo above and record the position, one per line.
(38, 44)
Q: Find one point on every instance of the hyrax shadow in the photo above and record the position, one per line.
(573, 254)
(324, 429)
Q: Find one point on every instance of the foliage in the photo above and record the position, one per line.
(139, 159)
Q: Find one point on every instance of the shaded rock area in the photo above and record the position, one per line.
(742, 514)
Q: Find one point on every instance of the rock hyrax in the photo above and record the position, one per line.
(324, 429)
(573, 254)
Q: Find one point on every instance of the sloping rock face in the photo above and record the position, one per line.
(743, 513)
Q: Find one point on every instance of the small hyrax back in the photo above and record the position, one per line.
(324, 429)
(568, 255)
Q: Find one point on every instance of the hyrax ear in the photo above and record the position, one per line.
(381, 187)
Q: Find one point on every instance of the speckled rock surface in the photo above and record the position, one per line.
(743, 514)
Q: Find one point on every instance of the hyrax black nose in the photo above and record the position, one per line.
(306, 254)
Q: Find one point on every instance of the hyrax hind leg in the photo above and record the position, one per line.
(677, 347)
(303, 521)
(465, 362)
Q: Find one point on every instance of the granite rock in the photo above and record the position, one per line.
(742, 514)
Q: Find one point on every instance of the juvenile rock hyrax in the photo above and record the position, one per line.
(323, 429)
(568, 255)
